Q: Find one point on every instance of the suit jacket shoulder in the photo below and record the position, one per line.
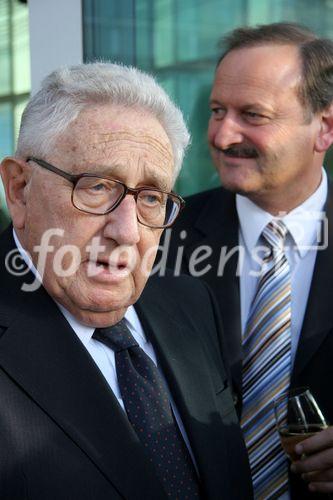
(192, 304)
(204, 243)
(203, 215)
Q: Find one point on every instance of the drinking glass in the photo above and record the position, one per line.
(298, 417)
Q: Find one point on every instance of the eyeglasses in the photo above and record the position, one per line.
(98, 195)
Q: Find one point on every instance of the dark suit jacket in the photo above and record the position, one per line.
(63, 434)
(210, 218)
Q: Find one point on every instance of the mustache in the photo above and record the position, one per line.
(240, 151)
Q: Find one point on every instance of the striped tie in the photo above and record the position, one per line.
(266, 367)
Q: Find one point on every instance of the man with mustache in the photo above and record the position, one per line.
(112, 387)
(262, 242)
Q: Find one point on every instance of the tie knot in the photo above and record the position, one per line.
(117, 337)
(275, 233)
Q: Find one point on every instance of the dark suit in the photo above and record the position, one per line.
(210, 218)
(63, 434)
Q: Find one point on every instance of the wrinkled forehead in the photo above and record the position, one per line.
(115, 135)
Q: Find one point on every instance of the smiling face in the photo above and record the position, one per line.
(262, 142)
(128, 145)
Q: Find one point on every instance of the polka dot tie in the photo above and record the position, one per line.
(148, 409)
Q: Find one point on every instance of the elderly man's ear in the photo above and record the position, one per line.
(15, 174)
(325, 135)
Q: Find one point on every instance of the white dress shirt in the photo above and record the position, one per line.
(304, 225)
(102, 355)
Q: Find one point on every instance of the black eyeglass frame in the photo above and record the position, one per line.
(74, 179)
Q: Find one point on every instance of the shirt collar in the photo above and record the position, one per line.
(308, 215)
(85, 332)
(26, 257)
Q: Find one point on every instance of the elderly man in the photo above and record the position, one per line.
(270, 127)
(101, 399)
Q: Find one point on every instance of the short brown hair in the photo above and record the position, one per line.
(316, 89)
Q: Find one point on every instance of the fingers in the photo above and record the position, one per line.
(318, 442)
(321, 487)
(319, 476)
(316, 462)
(320, 481)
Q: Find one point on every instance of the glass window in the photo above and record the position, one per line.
(5, 74)
(176, 40)
(6, 127)
(20, 48)
(6, 146)
(14, 77)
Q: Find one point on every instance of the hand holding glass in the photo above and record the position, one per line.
(298, 417)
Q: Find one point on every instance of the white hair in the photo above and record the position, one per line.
(66, 92)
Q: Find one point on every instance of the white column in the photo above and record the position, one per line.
(55, 36)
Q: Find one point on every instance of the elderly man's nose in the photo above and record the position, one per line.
(122, 224)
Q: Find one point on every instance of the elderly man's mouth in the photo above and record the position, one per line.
(107, 270)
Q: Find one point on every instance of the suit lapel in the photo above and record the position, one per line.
(217, 227)
(318, 319)
(42, 354)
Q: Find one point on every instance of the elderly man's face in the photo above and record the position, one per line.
(130, 146)
(261, 142)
